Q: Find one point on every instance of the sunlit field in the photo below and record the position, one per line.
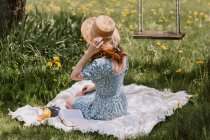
(40, 52)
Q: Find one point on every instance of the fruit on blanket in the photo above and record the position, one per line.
(46, 113)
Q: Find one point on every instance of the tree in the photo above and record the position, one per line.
(11, 11)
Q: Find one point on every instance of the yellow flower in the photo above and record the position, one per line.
(154, 13)
(158, 44)
(206, 16)
(132, 1)
(189, 16)
(182, 58)
(29, 7)
(197, 19)
(189, 22)
(200, 62)
(58, 64)
(133, 11)
(195, 13)
(55, 58)
(179, 70)
(160, 21)
(201, 13)
(49, 64)
(164, 47)
(131, 27)
(171, 12)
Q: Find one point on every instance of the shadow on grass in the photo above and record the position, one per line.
(49, 132)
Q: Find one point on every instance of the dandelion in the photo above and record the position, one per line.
(164, 47)
(158, 44)
(56, 58)
(132, 1)
(171, 12)
(197, 20)
(189, 16)
(165, 20)
(182, 58)
(49, 64)
(195, 13)
(189, 22)
(133, 11)
(58, 64)
(154, 13)
(160, 21)
(206, 16)
(199, 62)
(131, 27)
(179, 70)
(201, 14)
(29, 7)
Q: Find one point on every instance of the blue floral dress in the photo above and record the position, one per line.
(108, 101)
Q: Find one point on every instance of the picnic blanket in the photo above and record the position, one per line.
(146, 107)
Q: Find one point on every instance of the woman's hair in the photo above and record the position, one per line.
(117, 54)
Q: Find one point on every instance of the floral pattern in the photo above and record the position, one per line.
(108, 101)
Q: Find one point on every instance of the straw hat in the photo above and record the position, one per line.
(100, 26)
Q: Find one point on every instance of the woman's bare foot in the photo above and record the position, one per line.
(70, 102)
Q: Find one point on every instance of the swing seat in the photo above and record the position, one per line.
(164, 35)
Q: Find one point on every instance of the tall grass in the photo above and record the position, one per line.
(25, 75)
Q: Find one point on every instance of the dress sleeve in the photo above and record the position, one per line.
(98, 69)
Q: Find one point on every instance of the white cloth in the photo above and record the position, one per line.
(146, 107)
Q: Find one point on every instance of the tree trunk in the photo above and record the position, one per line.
(11, 11)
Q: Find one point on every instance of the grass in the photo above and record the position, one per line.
(52, 28)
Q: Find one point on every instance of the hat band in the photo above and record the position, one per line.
(99, 35)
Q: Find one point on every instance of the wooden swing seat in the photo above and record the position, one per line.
(164, 35)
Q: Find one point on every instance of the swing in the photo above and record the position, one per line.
(162, 35)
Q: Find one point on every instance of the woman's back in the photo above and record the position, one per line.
(108, 101)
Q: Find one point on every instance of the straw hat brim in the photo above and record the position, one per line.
(88, 36)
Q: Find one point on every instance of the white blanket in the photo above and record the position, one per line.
(146, 107)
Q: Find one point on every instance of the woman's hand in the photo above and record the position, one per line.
(95, 46)
(88, 88)
(85, 90)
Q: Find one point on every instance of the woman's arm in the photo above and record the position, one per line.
(75, 75)
(92, 49)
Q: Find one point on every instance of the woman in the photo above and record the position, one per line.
(106, 100)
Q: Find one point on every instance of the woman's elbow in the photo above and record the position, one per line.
(76, 78)
(72, 77)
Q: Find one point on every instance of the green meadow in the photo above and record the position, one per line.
(37, 57)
